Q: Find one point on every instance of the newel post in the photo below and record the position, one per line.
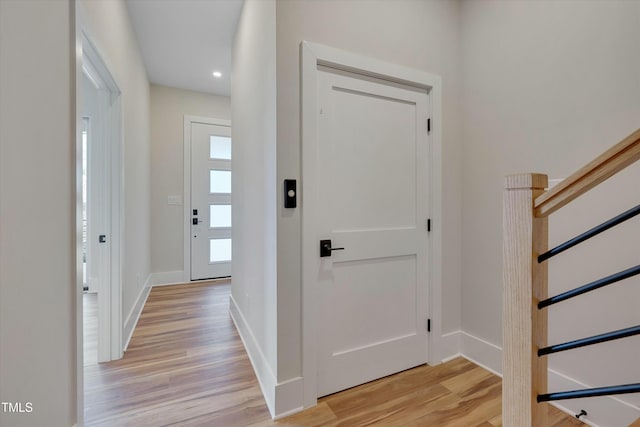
(524, 284)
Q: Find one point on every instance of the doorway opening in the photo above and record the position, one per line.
(102, 194)
(99, 174)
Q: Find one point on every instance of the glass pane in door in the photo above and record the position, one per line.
(219, 250)
(219, 216)
(219, 181)
(219, 147)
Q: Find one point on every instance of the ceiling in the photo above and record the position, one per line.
(183, 41)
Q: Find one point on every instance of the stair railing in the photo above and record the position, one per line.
(527, 207)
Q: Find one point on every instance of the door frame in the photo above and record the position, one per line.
(111, 307)
(188, 120)
(110, 345)
(313, 55)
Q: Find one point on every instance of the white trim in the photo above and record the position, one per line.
(77, 190)
(283, 399)
(289, 397)
(134, 314)
(117, 220)
(186, 179)
(313, 55)
(109, 305)
(264, 373)
(449, 347)
(603, 411)
(481, 352)
(286, 414)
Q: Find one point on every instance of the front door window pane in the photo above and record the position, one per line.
(219, 250)
(219, 181)
(219, 216)
(219, 147)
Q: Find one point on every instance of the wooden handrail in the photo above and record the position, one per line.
(525, 230)
(602, 167)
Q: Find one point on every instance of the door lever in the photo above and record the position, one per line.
(325, 248)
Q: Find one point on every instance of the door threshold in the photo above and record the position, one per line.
(212, 280)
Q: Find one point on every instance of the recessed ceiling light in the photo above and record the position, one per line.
(217, 74)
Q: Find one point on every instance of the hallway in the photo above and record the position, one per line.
(186, 366)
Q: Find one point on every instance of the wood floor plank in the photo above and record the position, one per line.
(186, 366)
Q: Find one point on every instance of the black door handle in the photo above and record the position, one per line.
(325, 248)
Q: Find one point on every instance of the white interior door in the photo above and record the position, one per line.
(371, 178)
(210, 201)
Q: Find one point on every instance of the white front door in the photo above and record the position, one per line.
(210, 201)
(371, 208)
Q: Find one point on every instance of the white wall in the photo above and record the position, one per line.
(547, 87)
(253, 112)
(422, 35)
(37, 209)
(109, 28)
(168, 107)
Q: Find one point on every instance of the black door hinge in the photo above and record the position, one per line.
(428, 325)
(429, 225)
(429, 125)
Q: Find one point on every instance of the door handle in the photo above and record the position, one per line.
(325, 248)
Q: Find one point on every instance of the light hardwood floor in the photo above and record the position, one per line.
(186, 366)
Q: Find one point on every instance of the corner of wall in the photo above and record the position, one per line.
(445, 347)
(282, 399)
(264, 373)
(134, 315)
(288, 398)
(168, 278)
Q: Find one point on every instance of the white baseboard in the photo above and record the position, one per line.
(289, 397)
(263, 371)
(602, 411)
(481, 352)
(284, 398)
(448, 347)
(132, 319)
(166, 278)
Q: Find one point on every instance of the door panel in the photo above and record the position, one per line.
(379, 133)
(383, 313)
(210, 201)
(372, 201)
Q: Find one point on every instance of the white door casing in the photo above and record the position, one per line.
(107, 204)
(324, 279)
(207, 198)
(372, 201)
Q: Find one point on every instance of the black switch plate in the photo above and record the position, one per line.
(290, 193)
